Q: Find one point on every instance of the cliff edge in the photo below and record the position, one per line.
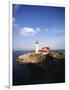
(39, 57)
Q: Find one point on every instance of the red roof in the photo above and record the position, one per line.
(45, 49)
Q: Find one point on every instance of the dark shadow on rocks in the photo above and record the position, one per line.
(49, 71)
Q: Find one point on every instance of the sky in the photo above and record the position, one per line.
(43, 23)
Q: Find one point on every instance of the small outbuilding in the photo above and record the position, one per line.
(45, 50)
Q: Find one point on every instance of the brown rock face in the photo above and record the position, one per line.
(30, 58)
(39, 57)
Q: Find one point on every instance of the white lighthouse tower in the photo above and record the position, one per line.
(37, 47)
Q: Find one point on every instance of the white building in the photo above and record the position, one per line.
(37, 47)
(44, 50)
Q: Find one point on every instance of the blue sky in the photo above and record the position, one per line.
(43, 23)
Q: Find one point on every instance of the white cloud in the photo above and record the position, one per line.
(15, 25)
(38, 29)
(28, 31)
(46, 29)
(54, 30)
(13, 19)
(57, 31)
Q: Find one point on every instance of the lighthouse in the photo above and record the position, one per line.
(37, 47)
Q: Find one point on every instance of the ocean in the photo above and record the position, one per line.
(48, 72)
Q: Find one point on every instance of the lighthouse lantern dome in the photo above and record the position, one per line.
(36, 42)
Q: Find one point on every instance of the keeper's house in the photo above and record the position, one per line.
(45, 50)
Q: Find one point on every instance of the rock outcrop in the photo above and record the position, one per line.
(30, 58)
(39, 57)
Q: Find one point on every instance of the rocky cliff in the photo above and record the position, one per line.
(39, 57)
